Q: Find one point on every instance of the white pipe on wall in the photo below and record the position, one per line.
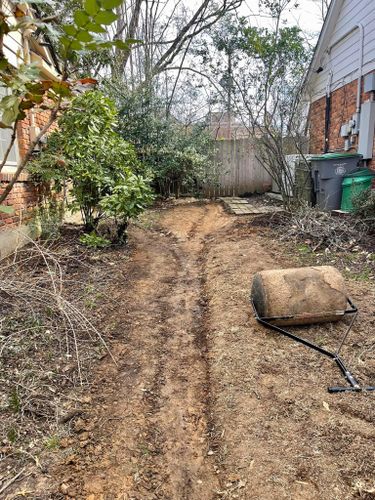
(360, 65)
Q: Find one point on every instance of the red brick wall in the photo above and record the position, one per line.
(343, 106)
(23, 130)
(24, 196)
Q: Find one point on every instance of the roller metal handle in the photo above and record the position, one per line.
(350, 389)
(352, 381)
(334, 390)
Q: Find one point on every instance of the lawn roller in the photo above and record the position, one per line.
(302, 296)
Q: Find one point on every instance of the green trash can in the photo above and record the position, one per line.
(354, 184)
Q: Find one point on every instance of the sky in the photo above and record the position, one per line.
(307, 15)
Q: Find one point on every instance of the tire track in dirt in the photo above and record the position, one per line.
(151, 430)
(181, 382)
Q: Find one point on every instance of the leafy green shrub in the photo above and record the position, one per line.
(180, 157)
(127, 200)
(88, 156)
(93, 240)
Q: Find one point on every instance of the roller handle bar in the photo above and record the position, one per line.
(354, 384)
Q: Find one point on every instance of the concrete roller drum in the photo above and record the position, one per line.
(300, 296)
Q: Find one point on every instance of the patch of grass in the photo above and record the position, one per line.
(52, 443)
(144, 450)
(364, 275)
(14, 402)
(12, 435)
(93, 296)
(304, 249)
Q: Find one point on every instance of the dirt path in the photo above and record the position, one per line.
(206, 404)
(153, 416)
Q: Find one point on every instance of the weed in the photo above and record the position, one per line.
(144, 450)
(92, 297)
(364, 275)
(90, 303)
(92, 240)
(12, 435)
(304, 249)
(14, 402)
(52, 442)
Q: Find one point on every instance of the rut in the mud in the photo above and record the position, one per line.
(153, 413)
(205, 403)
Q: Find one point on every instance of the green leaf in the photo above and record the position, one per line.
(111, 4)
(76, 45)
(6, 209)
(81, 18)
(69, 29)
(91, 7)
(61, 88)
(95, 28)
(9, 116)
(8, 101)
(105, 17)
(124, 45)
(4, 63)
(10, 104)
(104, 45)
(98, 45)
(84, 36)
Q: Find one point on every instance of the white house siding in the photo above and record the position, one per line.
(344, 57)
(13, 48)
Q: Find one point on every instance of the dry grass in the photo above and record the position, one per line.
(48, 343)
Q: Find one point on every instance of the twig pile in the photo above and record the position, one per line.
(42, 296)
(47, 341)
(321, 230)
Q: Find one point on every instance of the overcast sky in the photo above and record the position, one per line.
(308, 15)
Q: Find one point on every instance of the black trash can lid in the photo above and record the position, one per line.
(335, 156)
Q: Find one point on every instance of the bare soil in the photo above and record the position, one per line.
(204, 403)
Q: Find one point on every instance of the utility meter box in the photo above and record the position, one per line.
(369, 83)
(367, 130)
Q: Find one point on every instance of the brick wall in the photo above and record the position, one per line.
(24, 196)
(23, 130)
(343, 106)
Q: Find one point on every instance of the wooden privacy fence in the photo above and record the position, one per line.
(240, 173)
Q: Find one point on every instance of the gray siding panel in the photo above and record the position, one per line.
(344, 56)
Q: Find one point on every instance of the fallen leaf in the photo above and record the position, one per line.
(326, 406)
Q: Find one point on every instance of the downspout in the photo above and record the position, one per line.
(327, 119)
(359, 27)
